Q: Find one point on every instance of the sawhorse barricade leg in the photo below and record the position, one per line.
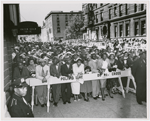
(122, 90)
(32, 97)
(128, 83)
(48, 90)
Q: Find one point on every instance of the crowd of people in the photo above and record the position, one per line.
(42, 60)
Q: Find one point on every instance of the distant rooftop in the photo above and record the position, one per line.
(61, 12)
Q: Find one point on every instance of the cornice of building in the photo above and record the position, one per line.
(61, 12)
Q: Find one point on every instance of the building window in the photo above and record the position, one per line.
(120, 10)
(110, 30)
(143, 27)
(121, 30)
(109, 13)
(136, 28)
(90, 7)
(116, 30)
(101, 15)
(58, 29)
(57, 19)
(96, 18)
(115, 11)
(127, 29)
(142, 7)
(127, 9)
(66, 23)
(70, 16)
(95, 5)
(135, 8)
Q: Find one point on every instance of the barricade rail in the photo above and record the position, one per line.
(86, 77)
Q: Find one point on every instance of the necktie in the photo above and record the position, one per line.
(43, 74)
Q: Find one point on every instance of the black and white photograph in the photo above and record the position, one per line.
(73, 59)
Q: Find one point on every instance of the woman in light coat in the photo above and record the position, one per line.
(78, 71)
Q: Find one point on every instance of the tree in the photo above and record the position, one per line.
(73, 30)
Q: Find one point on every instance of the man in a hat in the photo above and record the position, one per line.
(18, 106)
(130, 59)
(55, 70)
(120, 62)
(22, 72)
(139, 73)
(43, 74)
(66, 70)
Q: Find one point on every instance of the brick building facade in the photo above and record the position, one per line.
(114, 21)
(11, 18)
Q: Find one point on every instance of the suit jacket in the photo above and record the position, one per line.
(139, 71)
(65, 70)
(120, 65)
(129, 62)
(54, 71)
(25, 73)
(39, 72)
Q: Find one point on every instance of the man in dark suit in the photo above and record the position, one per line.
(139, 73)
(66, 70)
(130, 60)
(18, 106)
(55, 71)
(22, 72)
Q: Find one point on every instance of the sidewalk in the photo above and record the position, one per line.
(117, 107)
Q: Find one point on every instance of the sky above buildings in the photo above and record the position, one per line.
(38, 11)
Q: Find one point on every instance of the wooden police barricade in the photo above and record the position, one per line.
(86, 77)
(36, 82)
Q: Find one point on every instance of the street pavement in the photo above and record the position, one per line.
(117, 107)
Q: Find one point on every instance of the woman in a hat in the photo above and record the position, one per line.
(78, 71)
(31, 67)
(86, 87)
(103, 67)
(74, 58)
(112, 83)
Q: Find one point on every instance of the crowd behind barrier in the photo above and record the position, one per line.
(73, 60)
